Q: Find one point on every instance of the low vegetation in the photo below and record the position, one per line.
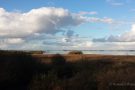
(25, 72)
(75, 52)
(20, 52)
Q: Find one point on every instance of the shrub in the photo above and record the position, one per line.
(75, 52)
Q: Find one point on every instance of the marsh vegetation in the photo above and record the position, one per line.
(22, 71)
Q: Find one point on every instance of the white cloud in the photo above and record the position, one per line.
(88, 13)
(125, 41)
(68, 42)
(11, 41)
(116, 2)
(43, 20)
(125, 37)
(103, 20)
(49, 20)
(37, 25)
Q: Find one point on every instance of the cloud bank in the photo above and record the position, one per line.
(36, 26)
(125, 37)
(39, 29)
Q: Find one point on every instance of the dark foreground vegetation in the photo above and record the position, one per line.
(22, 71)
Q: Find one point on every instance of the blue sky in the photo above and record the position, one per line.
(92, 22)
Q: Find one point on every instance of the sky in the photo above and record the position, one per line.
(67, 24)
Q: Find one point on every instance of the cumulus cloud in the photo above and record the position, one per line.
(49, 20)
(43, 20)
(38, 25)
(125, 37)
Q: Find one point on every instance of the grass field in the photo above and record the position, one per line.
(24, 71)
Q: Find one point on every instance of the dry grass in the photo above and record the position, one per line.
(23, 71)
(76, 57)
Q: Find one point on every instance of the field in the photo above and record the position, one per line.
(26, 71)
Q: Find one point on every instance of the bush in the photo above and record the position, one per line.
(75, 52)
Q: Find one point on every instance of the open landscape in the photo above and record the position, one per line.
(67, 44)
(33, 71)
